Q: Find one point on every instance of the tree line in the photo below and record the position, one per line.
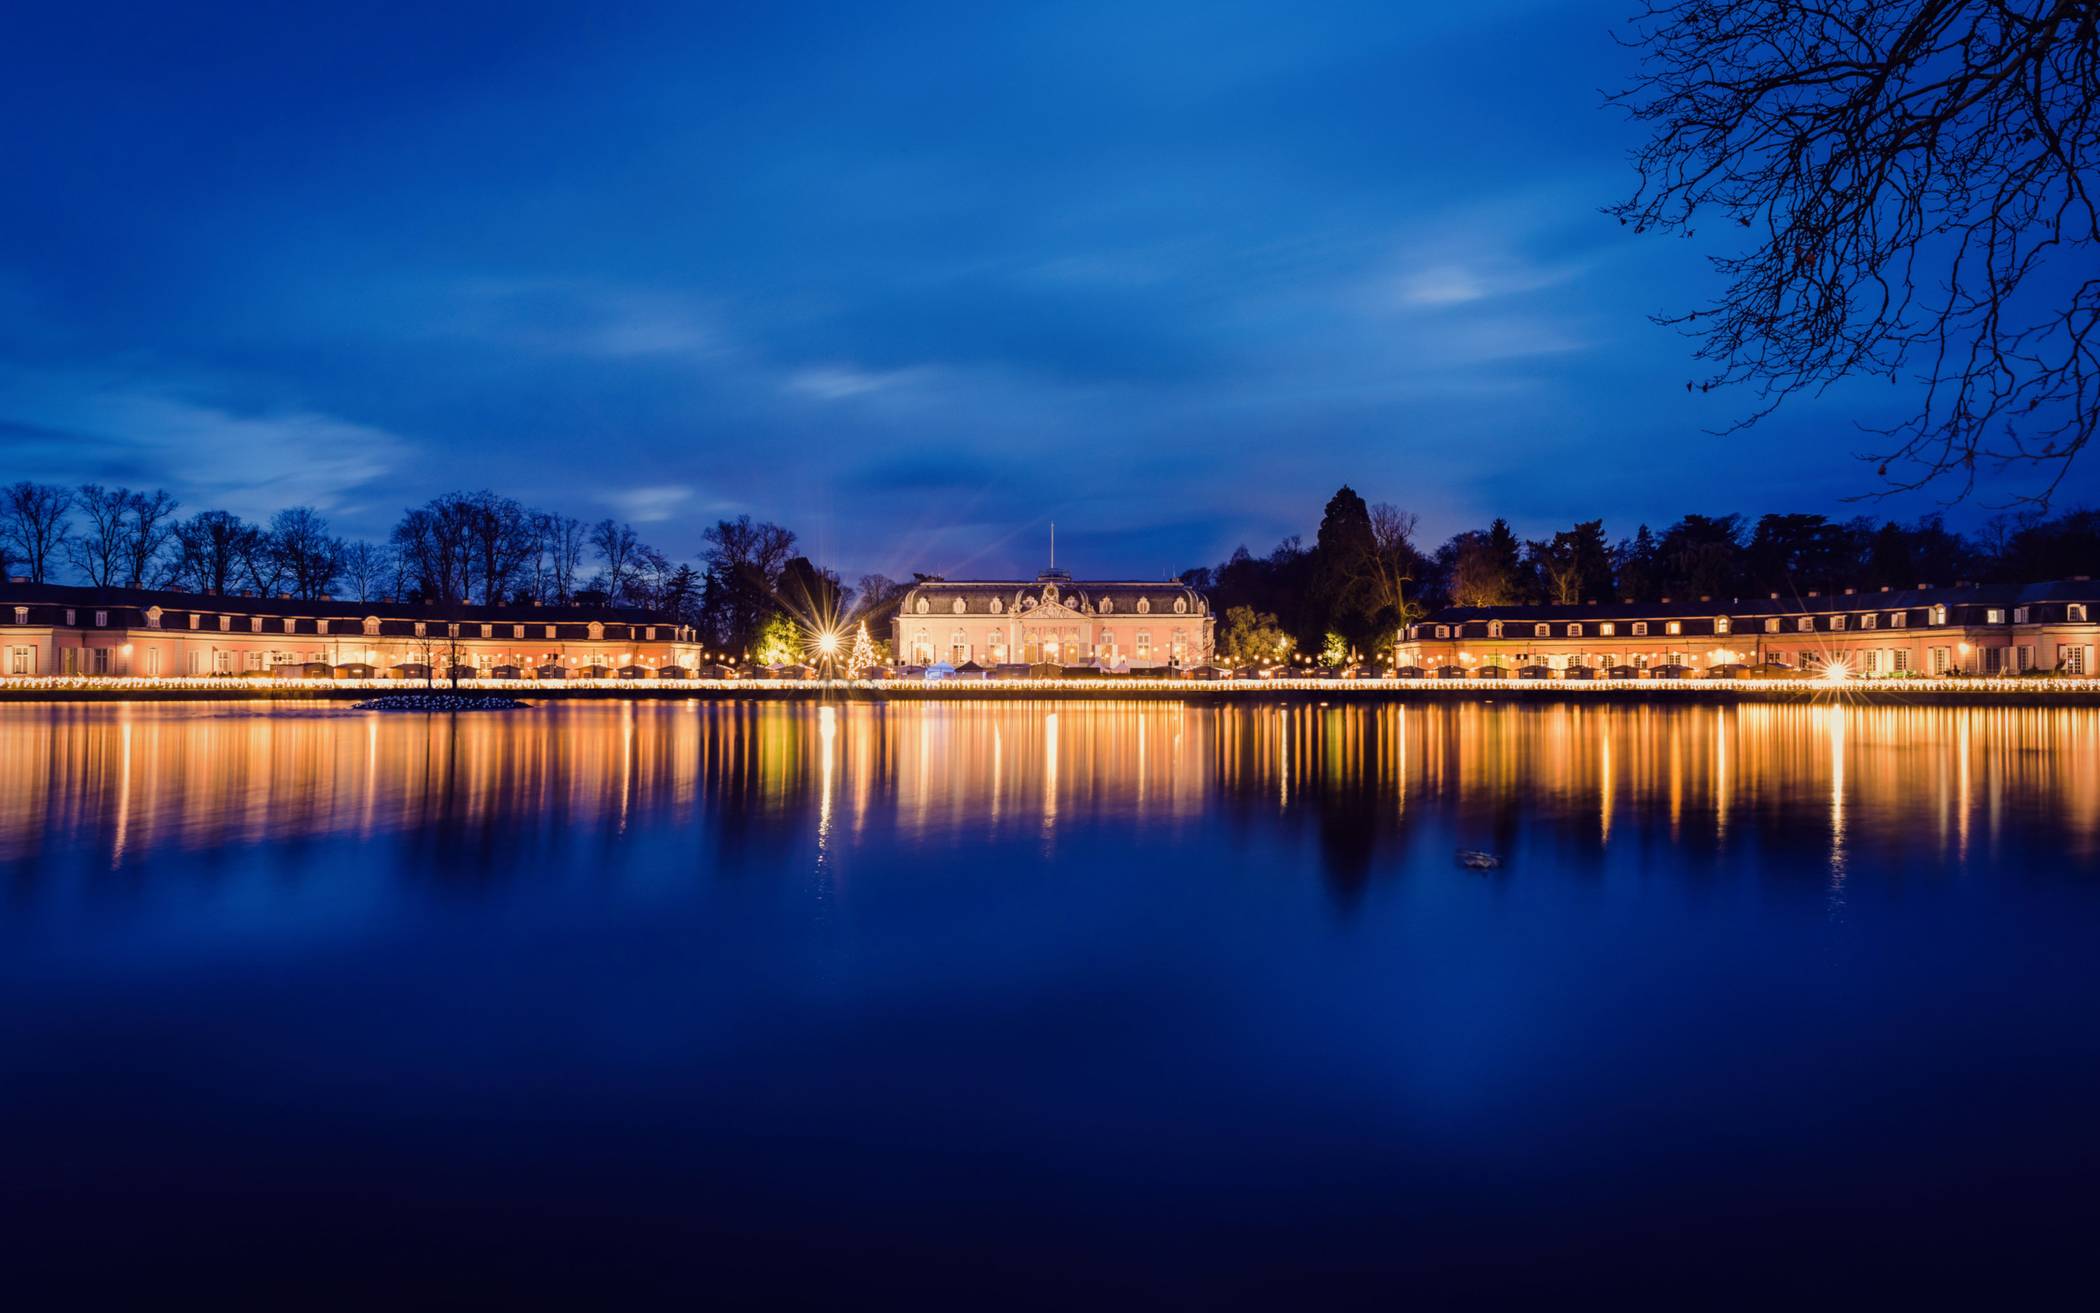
(1364, 576)
(749, 592)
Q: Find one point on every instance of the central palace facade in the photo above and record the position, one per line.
(1053, 620)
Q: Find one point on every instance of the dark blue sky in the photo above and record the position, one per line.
(914, 279)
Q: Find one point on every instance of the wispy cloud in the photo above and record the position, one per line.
(584, 318)
(649, 505)
(839, 382)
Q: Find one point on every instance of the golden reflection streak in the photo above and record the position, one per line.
(145, 777)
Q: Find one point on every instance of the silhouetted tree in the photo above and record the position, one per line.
(36, 525)
(1913, 182)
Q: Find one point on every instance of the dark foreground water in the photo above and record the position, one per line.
(1049, 1004)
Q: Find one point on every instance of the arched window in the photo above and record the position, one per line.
(371, 626)
(1939, 615)
(1720, 624)
(1108, 604)
(1181, 606)
(958, 607)
(1494, 629)
(1575, 631)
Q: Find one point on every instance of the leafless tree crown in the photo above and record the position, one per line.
(1915, 178)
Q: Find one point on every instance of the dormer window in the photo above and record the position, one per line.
(195, 619)
(320, 626)
(1574, 631)
(489, 631)
(1443, 631)
(1108, 604)
(1640, 629)
(72, 616)
(371, 626)
(1494, 629)
(21, 615)
(1867, 621)
(517, 631)
(1721, 624)
(1181, 605)
(1144, 606)
(1939, 615)
(2075, 613)
(2019, 615)
(1899, 619)
(1772, 624)
(1837, 622)
(422, 629)
(1607, 629)
(254, 624)
(291, 626)
(225, 624)
(1673, 626)
(102, 619)
(1542, 631)
(958, 607)
(1806, 624)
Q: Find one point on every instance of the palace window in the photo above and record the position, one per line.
(1805, 624)
(1899, 619)
(1494, 629)
(254, 624)
(1607, 629)
(1144, 606)
(958, 607)
(2025, 653)
(101, 664)
(1721, 624)
(1939, 615)
(1443, 631)
(225, 624)
(102, 619)
(1772, 625)
(1866, 622)
(452, 631)
(371, 626)
(21, 615)
(320, 626)
(2019, 615)
(2070, 658)
(517, 631)
(1994, 615)
(1673, 627)
(72, 616)
(1837, 622)
(1640, 629)
(1144, 644)
(1939, 661)
(1574, 631)
(291, 626)
(1542, 631)
(2075, 613)
(1899, 660)
(958, 647)
(21, 661)
(1181, 606)
(489, 631)
(550, 631)
(195, 619)
(1873, 659)
(422, 629)
(1108, 605)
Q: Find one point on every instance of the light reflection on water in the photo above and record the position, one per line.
(132, 779)
(1081, 1002)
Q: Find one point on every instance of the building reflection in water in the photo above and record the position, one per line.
(123, 782)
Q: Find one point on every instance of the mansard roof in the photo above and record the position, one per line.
(1840, 603)
(982, 597)
(144, 599)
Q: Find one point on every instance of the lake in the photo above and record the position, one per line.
(1043, 1004)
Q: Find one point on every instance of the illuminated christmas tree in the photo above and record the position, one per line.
(862, 656)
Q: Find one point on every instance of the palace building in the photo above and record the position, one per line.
(1972, 629)
(54, 629)
(1053, 620)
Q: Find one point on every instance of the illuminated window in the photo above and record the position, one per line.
(291, 626)
(517, 631)
(1837, 622)
(1805, 623)
(1443, 631)
(550, 631)
(320, 626)
(422, 629)
(1673, 627)
(195, 619)
(254, 624)
(1866, 622)
(1899, 661)
(1721, 624)
(101, 618)
(2075, 613)
(225, 624)
(1899, 619)
(1181, 606)
(21, 615)
(1939, 615)
(1640, 629)
(1607, 629)
(1772, 625)
(1494, 629)
(2070, 658)
(2019, 615)
(1574, 631)
(489, 631)
(72, 616)
(1144, 643)
(1994, 615)
(958, 607)
(1542, 631)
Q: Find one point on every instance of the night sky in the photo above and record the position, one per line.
(914, 280)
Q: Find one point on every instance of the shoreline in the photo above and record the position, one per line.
(1948, 692)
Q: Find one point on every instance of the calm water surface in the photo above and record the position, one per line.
(1044, 1004)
